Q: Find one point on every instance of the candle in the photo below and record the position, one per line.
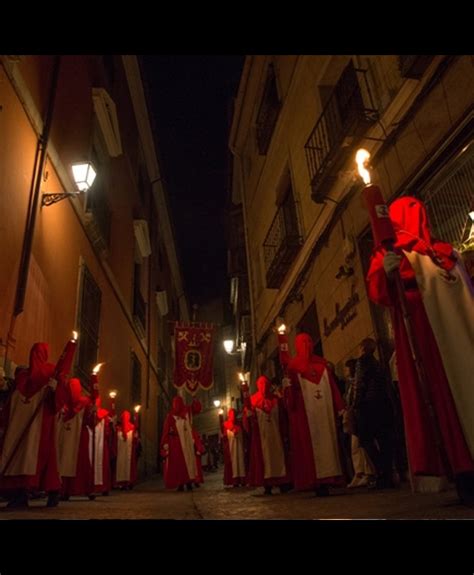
(94, 383)
(64, 363)
(380, 222)
(137, 416)
(112, 395)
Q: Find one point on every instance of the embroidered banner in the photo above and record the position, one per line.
(194, 356)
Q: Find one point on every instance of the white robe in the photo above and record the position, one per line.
(272, 445)
(319, 409)
(449, 305)
(236, 450)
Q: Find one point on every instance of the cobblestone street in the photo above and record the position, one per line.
(149, 500)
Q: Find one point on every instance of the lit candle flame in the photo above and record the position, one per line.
(242, 377)
(113, 394)
(96, 369)
(281, 328)
(221, 411)
(75, 335)
(362, 158)
(137, 408)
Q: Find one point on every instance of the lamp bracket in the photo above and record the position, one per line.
(49, 199)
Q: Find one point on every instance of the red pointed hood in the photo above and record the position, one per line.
(231, 424)
(126, 424)
(178, 407)
(411, 224)
(39, 370)
(101, 412)
(305, 361)
(264, 398)
(77, 401)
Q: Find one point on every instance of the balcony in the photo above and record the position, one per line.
(282, 244)
(346, 116)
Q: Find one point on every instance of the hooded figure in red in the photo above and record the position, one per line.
(233, 443)
(314, 403)
(177, 447)
(29, 451)
(69, 436)
(440, 302)
(265, 419)
(126, 474)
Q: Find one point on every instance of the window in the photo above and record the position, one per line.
(268, 112)
(89, 321)
(136, 380)
(139, 305)
(449, 197)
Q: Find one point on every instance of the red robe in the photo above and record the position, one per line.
(29, 454)
(413, 240)
(177, 447)
(266, 420)
(314, 402)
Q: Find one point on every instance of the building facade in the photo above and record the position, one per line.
(297, 124)
(102, 262)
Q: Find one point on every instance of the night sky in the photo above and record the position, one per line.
(190, 98)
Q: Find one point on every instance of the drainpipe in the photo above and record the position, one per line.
(32, 212)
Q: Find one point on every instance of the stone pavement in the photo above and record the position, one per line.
(149, 500)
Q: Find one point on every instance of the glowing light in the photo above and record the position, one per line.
(471, 215)
(113, 394)
(75, 335)
(137, 408)
(221, 412)
(217, 402)
(281, 329)
(229, 345)
(362, 158)
(96, 369)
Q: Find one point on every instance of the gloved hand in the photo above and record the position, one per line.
(391, 262)
(52, 383)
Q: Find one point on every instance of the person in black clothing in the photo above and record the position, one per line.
(373, 413)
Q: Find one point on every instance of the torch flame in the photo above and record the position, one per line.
(137, 408)
(281, 328)
(113, 394)
(75, 335)
(362, 158)
(96, 369)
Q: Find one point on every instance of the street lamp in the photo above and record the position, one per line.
(84, 175)
(229, 345)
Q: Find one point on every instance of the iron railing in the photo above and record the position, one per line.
(345, 117)
(281, 244)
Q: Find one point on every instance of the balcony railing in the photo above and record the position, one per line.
(282, 244)
(345, 118)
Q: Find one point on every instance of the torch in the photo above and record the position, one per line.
(384, 235)
(112, 395)
(136, 409)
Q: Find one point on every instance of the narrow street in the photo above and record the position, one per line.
(149, 500)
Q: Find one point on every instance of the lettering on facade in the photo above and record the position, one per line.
(343, 315)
